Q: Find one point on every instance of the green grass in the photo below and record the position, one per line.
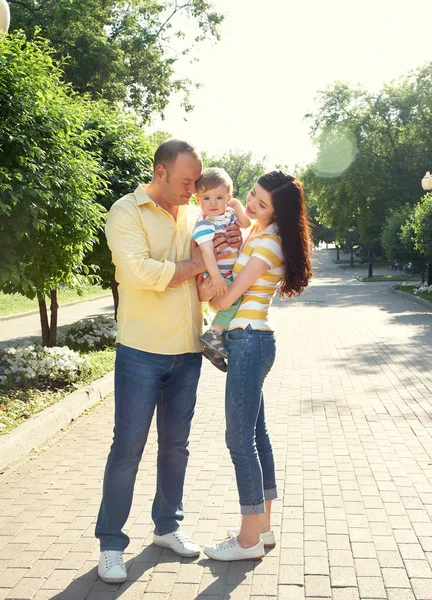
(11, 304)
(364, 265)
(409, 289)
(346, 264)
(18, 405)
(402, 277)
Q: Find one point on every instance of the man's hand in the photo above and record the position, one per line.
(205, 288)
(232, 238)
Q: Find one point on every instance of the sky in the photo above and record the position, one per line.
(274, 56)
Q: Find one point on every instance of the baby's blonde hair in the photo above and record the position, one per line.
(213, 177)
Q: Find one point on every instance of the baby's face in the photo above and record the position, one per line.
(214, 202)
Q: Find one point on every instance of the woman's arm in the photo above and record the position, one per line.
(254, 269)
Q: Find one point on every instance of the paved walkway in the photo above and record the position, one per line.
(349, 407)
(26, 329)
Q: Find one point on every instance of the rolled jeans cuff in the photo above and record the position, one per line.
(271, 493)
(252, 509)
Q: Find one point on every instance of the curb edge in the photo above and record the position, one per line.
(41, 427)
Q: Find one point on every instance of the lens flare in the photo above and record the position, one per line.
(337, 150)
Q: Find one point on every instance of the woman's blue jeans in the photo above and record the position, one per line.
(144, 381)
(252, 354)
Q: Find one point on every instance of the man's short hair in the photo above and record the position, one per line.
(213, 177)
(168, 151)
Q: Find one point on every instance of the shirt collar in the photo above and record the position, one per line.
(143, 198)
(272, 229)
(141, 195)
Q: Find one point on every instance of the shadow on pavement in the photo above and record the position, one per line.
(227, 576)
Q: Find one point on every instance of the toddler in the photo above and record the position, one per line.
(218, 210)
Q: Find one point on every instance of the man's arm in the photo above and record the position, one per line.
(131, 255)
(186, 269)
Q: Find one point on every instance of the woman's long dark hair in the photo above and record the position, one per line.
(291, 218)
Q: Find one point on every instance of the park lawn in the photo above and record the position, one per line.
(363, 265)
(11, 304)
(346, 264)
(18, 405)
(402, 277)
(409, 289)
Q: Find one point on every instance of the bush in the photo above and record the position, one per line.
(90, 334)
(38, 367)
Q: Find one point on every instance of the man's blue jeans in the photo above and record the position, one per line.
(252, 354)
(144, 381)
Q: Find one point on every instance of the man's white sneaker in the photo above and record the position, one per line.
(268, 537)
(178, 542)
(111, 567)
(231, 550)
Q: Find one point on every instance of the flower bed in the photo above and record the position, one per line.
(43, 368)
(33, 378)
(422, 290)
(90, 334)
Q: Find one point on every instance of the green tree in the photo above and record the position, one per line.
(422, 226)
(121, 50)
(126, 158)
(48, 178)
(397, 238)
(243, 169)
(155, 139)
(373, 149)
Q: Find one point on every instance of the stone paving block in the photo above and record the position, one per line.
(291, 592)
(400, 595)
(317, 585)
(395, 578)
(161, 582)
(371, 587)
(58, 579)
(10, 577)
(291, 575)
(343, 577)
(25, 589)
(345, 594)
(422, 588)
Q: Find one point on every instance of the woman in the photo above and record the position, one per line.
(274, 257)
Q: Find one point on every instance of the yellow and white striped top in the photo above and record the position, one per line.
(256, 301)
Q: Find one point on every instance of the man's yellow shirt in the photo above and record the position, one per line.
(146, 242)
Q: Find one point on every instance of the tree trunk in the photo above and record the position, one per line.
(43, 313)
(370, 265)
(114, 290)
(54, 313)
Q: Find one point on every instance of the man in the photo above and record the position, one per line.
(158, 358)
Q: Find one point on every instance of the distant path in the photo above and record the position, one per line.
(26, 329)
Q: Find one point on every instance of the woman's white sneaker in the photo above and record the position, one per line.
(268, 537)
(178, 542)
(111, 567)
(231, 550)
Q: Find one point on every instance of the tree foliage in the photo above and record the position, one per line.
(243, 169)
(398, 237)
(126, 157)
(48, 178)
(422, 226)
(121, 50)
(373, 151)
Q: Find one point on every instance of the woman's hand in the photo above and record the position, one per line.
(216, 302)
(205, 288)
